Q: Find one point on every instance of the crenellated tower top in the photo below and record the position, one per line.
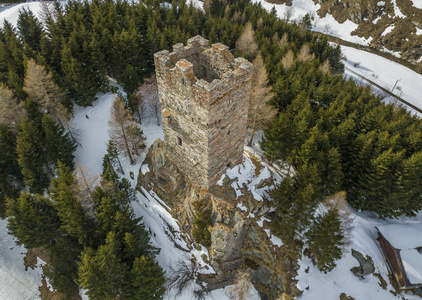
(204, 94)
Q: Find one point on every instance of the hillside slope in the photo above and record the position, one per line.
(391, 25)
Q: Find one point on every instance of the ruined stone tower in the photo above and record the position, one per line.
(204, 95)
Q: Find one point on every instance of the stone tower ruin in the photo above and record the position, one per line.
(204, 95)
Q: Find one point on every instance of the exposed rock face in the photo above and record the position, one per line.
(366, 264)
(374, 17)
(237, 241)
(204, 98)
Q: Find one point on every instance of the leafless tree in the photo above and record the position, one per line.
(288, 60)
(260, 111)
(241, 290)
(147, 95)
(126, 136)
(284, 40)
(304, 54)
(183, 274)
(246, 43)
(10, 110)
(86, 184)
(325, 67)
(41, 88)
(288, 13)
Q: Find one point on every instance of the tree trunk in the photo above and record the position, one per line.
(86, 182)
(120, 164)
(127, 145)
(253, 132)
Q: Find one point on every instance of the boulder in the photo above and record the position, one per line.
(366, 264)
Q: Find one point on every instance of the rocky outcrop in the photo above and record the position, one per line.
(373, 17)
(237, 240)
(366, 265)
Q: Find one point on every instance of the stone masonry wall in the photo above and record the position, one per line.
(204, 95)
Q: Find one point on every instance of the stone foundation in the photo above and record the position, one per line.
(237, 241)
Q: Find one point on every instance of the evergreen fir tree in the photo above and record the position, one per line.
(33, 220)
(74, 220)
(325, 240)
(58, 147)
(10, 176)
(30, 157)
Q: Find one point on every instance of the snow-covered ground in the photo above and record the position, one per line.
(327, 25)
(317, 285)
(15, 282)
(385, 73)
(11, 12)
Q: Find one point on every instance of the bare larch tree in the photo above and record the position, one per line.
(260, 111)
(126, 135)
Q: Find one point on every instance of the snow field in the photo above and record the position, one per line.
(417, 3)
(327, 25)
(15, 282)
(385, 73)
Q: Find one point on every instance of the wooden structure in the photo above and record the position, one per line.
(401, 245)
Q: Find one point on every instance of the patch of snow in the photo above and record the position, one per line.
(388, 30)
(261, 221)
(326, 24)
(375, 21)
(403, 236)
(197, 4)
(412, 264)
(381, 3)
(340, 279)
(144, 169)
(222, 294)
(418, 31)
(397, 10)
(276, 241)
(11, 12)
(241, 207)
(245, 174)
(387, 73)
(417, 3)
(15, 282)
(92, 132)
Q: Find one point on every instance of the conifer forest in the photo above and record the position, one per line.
(334, 134)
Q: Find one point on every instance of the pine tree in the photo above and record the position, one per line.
(30, 31)
(33, 220)
(74, 220)
(58, 147)
(325, 240)
(101, 272)
(62, 270)
(10, 176)
(30, 157)
(111, 159)
(147, 279)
